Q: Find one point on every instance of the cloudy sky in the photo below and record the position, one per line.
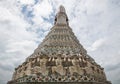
(24, 24)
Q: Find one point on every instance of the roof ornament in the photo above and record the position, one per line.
(61, 9)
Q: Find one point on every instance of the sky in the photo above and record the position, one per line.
(25, 23)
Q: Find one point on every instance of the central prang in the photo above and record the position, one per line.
(60, 58)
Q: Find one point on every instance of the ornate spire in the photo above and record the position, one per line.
(61, 17)
(61, 38)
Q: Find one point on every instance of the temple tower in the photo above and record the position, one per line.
(59, 59)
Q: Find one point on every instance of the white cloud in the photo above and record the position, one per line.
(95, 6)
(42, 9)
(27, 2)
(98, 43)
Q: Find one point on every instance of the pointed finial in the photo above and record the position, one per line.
(61, 16)
(61, 8)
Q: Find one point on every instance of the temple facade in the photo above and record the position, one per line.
(59, 59)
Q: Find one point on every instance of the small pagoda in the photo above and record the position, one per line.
(59, 59)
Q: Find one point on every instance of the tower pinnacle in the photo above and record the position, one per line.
(61, 17)
(62, 9)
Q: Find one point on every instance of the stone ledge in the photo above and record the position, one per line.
(60, 83)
